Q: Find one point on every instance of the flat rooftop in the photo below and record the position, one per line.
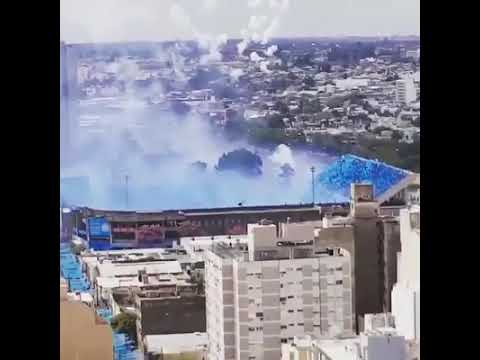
(176, 343)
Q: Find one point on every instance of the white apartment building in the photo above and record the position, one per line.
(406, 91)
(406, 292)
(282, 286)
(381, 344)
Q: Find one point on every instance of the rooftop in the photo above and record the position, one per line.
(176, 343)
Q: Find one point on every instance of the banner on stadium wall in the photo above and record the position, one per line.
(99, 228)
(150, 234)
(123, 235)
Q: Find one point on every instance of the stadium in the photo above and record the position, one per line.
(105, 229)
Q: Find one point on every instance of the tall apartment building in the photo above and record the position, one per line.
(406, 91)
(406, 292)
(280, 287)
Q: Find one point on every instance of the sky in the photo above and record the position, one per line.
(160, 20)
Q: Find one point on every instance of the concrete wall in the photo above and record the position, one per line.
(82, 334)
(368, 266)
(391, 246)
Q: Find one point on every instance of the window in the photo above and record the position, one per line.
(291, 324)
(283, 327)
(339, 282)
(259, 314)
(300, 310)
(251, 329)
(291, 296)
(301, 324)
(283, 340)
(290, 311)
(340, 268)
(299, 269)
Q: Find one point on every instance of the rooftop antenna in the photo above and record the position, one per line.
(312, 169)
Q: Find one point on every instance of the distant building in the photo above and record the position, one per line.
(282, 286)
(406, 91)
(413, 54)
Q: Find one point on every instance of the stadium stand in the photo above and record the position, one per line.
(348, 169)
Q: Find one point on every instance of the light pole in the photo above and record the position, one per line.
(312, 169)
(126, 191)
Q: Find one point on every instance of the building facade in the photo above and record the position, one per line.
(406, 292)
(406, 91)
(281, 287)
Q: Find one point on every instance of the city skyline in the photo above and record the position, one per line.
(148, 20)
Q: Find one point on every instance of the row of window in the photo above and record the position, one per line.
(218, 222)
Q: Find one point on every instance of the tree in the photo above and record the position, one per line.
(241, 160)
(199, 166)
(287, 171)
(276, 122)
(126, 323)
(281, 107)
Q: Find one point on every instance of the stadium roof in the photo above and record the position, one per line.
(336, 179)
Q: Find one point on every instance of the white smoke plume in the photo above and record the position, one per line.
(283, 155)
(270, 30)
(255, 57)
(264, 67)
(211, 43)
(279, 4)
(271, 50)
(210, 5)
(257, 22)
(236, 73)
(253, 4)
(180, 16)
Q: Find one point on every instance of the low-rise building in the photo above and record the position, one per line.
(83, 334)
(381, 344)
(192, 346)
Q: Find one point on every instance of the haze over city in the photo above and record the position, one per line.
(153, 20)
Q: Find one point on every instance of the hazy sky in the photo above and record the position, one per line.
(156, 20)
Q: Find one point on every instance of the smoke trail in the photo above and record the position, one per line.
(271, 50)
(236, 73)
(255, 57)
(210, 5)
(283, 155)
(264, 67)
(252, 4)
